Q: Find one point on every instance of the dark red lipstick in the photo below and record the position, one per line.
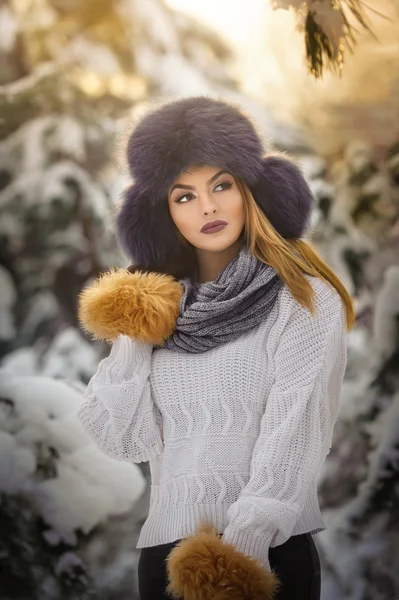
(213, 226)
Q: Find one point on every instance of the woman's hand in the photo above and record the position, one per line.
(203, 567)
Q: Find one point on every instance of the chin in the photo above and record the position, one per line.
(217, 245)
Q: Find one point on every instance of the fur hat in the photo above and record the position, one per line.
(201, 131)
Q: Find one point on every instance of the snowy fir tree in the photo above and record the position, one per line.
(356, 229)
(75, 75)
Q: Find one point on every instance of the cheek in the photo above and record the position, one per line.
(236, 207)
(181, 218)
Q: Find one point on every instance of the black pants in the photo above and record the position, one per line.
(296, 563)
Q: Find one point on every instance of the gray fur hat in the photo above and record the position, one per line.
(201, 131)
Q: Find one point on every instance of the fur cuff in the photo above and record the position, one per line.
(203, 567)
(143, 306)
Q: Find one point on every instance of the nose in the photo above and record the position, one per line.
(207, 203)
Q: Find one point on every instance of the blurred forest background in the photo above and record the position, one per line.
(74, 76)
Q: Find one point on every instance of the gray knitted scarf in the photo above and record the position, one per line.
(220, 311)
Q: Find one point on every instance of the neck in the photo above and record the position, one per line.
(210, 264)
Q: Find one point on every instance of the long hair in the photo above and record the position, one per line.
(290, 258)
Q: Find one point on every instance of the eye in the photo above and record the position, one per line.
(224, 185)
(181, 200)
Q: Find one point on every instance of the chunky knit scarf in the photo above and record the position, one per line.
(220, 311)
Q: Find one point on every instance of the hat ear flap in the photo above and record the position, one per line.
(146, 232)
(284, 196)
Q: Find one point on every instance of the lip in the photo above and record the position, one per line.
(213, 226)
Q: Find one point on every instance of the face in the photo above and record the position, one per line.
(204, 195)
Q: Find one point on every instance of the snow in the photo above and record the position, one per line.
(87, 487)
(60, 133)
(358, 154)
(287, 4)
(384, 457)
(8, 29)
(349, 555)
(95, 57)
(327, 16)
(25, 360)
(387, 312)
(157, 22)
(45, 306)
(55, 186)
(331, 21)
(33, 133)
(312, 166)
(69, 138)
(25, 185)
(70, 357)
(68, 562)
(11, 226)
(7, 300)
(16, 464)
(64, 180)
(176, 75)
(86, 493)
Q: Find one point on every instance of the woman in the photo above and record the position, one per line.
(229, 350)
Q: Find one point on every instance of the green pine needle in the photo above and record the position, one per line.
(320, 52)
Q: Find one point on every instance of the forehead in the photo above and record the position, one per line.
(197, 173)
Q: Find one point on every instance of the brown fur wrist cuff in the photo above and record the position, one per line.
(143, 306)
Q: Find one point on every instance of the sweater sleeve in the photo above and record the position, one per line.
(117, 410)
(296, 428)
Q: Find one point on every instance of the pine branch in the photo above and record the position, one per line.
(321, 50)
(29, 97)
(52, 88)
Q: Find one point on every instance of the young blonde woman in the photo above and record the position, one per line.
(228, 355)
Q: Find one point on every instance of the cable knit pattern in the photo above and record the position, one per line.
(118, 410)
(235, 436)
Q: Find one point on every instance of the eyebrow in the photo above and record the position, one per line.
(191, 187)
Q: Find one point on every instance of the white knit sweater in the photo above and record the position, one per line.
(235, 436)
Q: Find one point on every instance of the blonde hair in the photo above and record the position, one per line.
(290, 258)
